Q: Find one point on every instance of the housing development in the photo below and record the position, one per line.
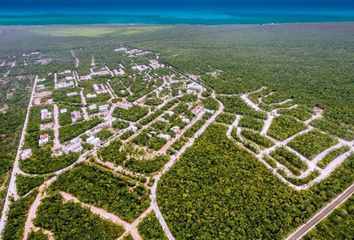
(119, 143)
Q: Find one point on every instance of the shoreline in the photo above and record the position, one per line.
(172, 25)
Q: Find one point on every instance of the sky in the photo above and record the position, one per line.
(326, 4)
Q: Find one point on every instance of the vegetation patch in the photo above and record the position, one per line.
(150, 228)
(101, 188)
(284, 127)
(43, 162)
(24, 184)
(17, 217)
(312, 143)
(216, 173)
(235, 104)
(68, 220)
(338, 225)
(331, 156)
(257, 138)
(251, 123)
(71, 131)
(133, 114)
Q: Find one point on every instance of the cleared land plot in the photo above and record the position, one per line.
(234, 104)
(257, 138)
(150, 228)
(251, 123)
(133, 114)
(69, 220)
(101, 188)
(289, 160)
(284, 127)
(312, 143)
(332, 155)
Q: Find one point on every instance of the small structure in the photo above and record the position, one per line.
(71, 94)
(140, 68)
(119, 72)
(46, 114)
(69, 78)
(46, 126)
(40, 87)
(64, 110)
(75, 145)
(100, 88)
(91, 95)
(43, 139)
(85, 78)
(194, 87)
(124, 105)
(92, 107)
(65, 84)
(94, 141)
(27, 153)
(164, 120)
(134, 128)
(176, 129)
(164, 136)
(170, 113)
(185, 120)
(103, 108)
(75, 116)
(155, 64)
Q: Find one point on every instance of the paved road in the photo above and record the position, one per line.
(301, 231)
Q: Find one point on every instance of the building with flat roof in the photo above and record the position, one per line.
(43, 139)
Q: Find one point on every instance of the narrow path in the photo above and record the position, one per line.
(12, 191)
(128, 227)
(56, 143)
(323, 213)
(33, 209)
(267, 123)
(55, 80)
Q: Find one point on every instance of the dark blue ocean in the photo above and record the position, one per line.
(58, 15)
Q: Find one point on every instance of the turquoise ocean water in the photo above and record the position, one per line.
(67, 16)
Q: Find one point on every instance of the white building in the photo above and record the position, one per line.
(185, 120)
(92, 107)
(43, 139)
(94, 141)
(90, 95)
(103, 108)
(164, 136)
(86, 77)
(45, 114)
(40, 87)
(100, 88)
(71, 94)
(169, 113)
(64, 110)
(27, 153)
(75, 145)
(65, 84)
(155, 64)
(176, 129)
(140, 68)
(119, 72)
(75, 116)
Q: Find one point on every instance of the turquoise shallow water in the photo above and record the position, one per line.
(49, 16)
